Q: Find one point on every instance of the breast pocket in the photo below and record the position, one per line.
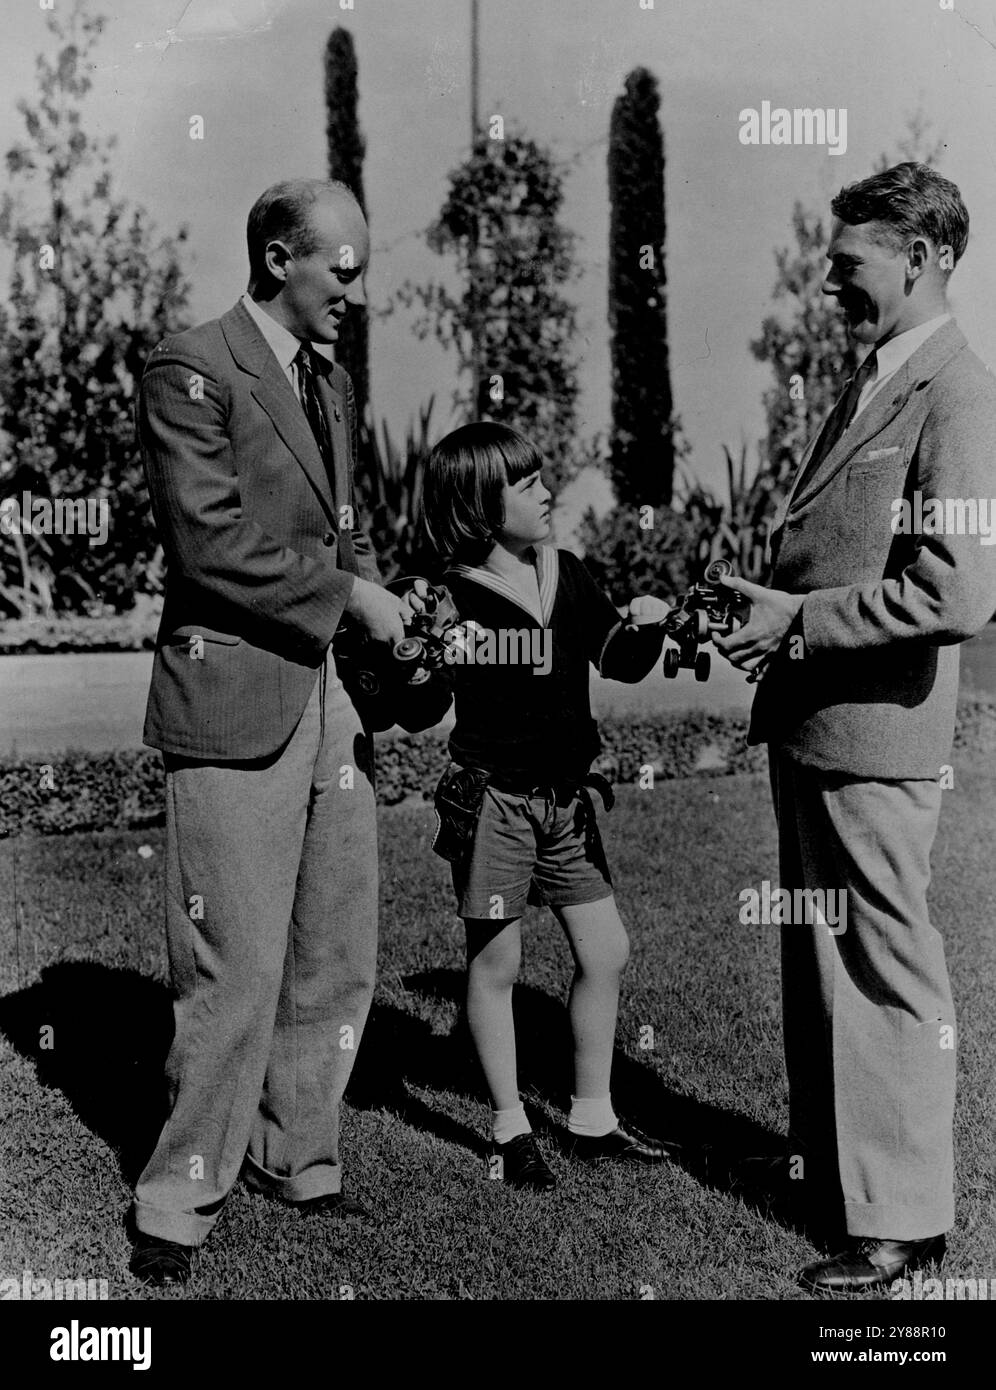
(877, 480)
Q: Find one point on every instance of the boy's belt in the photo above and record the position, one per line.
(561, 789)
(460, 795)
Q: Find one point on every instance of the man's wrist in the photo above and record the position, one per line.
(354, 597)
(797, 627)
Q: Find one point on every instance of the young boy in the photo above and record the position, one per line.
(517, 821)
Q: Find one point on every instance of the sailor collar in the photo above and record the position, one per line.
(547, 575)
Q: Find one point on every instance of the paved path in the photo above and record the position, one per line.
(49, 704)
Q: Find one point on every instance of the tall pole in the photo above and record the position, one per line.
(475, 120)
(475, 125)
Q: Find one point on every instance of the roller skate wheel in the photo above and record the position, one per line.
(408, 649)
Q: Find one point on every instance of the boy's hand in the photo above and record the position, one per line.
(414, 602)
(459, 640)
(646, 609)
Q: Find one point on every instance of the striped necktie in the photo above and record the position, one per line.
(307, 373)
(312, 402)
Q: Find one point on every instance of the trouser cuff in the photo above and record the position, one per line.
(183, 1227)
(890, 1222)
(317, 1181)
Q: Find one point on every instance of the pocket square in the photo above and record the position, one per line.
(881, 453)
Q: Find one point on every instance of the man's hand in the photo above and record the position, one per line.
(772, 612)
(646, 609)
(382, 613)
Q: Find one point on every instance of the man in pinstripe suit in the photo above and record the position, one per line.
(248, 435)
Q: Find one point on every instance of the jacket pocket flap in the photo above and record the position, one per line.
(874, 455)
(181, 636)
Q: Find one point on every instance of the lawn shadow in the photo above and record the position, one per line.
(400, 1050)
(111, 1029)
(100, 1035)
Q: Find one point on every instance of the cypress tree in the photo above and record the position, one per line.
(642, 435)
(346, 148)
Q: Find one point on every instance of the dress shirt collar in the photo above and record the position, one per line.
(282, 341)
(892, 354)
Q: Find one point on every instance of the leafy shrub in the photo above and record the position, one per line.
(103, 791)
(389, 481)
(125, 632)
(625, 559)
(81, 791)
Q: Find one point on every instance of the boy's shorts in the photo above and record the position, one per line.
(538, 849)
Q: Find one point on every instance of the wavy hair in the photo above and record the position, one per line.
(908, 200)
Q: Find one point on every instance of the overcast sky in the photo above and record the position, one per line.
(253, 70)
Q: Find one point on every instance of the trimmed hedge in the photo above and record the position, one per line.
(124, 790)
(126, 632)
(81, 791)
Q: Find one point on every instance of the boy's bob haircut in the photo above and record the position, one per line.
(465, 476)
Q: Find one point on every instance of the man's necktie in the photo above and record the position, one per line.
(840, 417)
(307, 373)
(312, 402)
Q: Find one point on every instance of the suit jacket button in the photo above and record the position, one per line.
(328, 538)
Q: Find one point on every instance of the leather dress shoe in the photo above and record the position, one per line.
(773, 1175)
(159, 1263)
(768, 1172)
(623, 1142)
(327, 1204)
(335, 1204)
(870, 1262)
(523, 1165)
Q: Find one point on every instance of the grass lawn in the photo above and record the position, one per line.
(79, 1118)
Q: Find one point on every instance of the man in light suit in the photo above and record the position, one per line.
(858, 640)
(248, 437)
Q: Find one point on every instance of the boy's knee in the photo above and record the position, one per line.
(622, 953)
(497, 966)
(617, 957)
(608, 957)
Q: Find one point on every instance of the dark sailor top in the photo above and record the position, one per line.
(513, 719)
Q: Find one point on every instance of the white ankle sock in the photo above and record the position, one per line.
(590, 1117)
(509, 1124)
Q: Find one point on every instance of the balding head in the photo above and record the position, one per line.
(308, 246)
(287, 213)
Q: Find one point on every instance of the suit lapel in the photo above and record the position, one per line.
(916, 371)
(884, 407)
(274, 393)
(335, 411)
(782, 510)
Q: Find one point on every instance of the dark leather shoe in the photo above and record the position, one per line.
(160, 1262)
(328, 1204)
(624, 1142)
(870, 1262)
(335, 1204)
(523, 1165)
(771, 1174)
